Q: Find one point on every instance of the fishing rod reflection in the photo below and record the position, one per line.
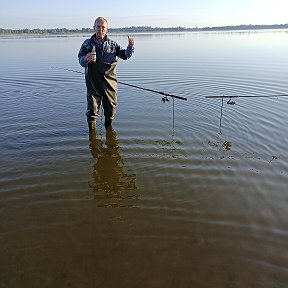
(109, 178)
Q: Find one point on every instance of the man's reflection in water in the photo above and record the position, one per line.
(110, 181)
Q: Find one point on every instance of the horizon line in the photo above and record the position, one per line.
(154, 27)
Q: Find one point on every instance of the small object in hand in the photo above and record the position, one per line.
(93, 54)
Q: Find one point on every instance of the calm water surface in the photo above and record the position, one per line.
(186, 195)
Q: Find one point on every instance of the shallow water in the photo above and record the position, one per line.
(186, 195)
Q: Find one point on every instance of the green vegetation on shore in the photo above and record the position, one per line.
(140, 29)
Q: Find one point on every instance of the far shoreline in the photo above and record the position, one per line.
(48, 35)
(57, 32)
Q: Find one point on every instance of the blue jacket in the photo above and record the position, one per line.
(108, 51)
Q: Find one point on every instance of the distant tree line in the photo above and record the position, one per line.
(243, 27)
(140, 29)
(55, 31)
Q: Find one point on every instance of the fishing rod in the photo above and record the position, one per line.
(231, 102)
(155, 91)
(164, 99)
(247, 96)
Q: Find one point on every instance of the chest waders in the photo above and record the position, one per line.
(101, 82)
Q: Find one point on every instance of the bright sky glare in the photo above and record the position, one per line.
(19, 14)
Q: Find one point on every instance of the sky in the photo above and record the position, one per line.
(21, 14)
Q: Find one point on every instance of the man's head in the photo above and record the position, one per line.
(101, 28)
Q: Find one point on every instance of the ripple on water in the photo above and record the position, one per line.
(210, 178)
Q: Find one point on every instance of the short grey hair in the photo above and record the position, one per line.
(101, 18)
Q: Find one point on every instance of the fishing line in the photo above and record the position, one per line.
(221, 115)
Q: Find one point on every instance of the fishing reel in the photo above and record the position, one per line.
(165, 99)
(231, 102)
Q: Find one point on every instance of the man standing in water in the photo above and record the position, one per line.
(100, 72)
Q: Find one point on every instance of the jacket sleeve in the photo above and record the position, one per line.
(125, 53)
(82, 54)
